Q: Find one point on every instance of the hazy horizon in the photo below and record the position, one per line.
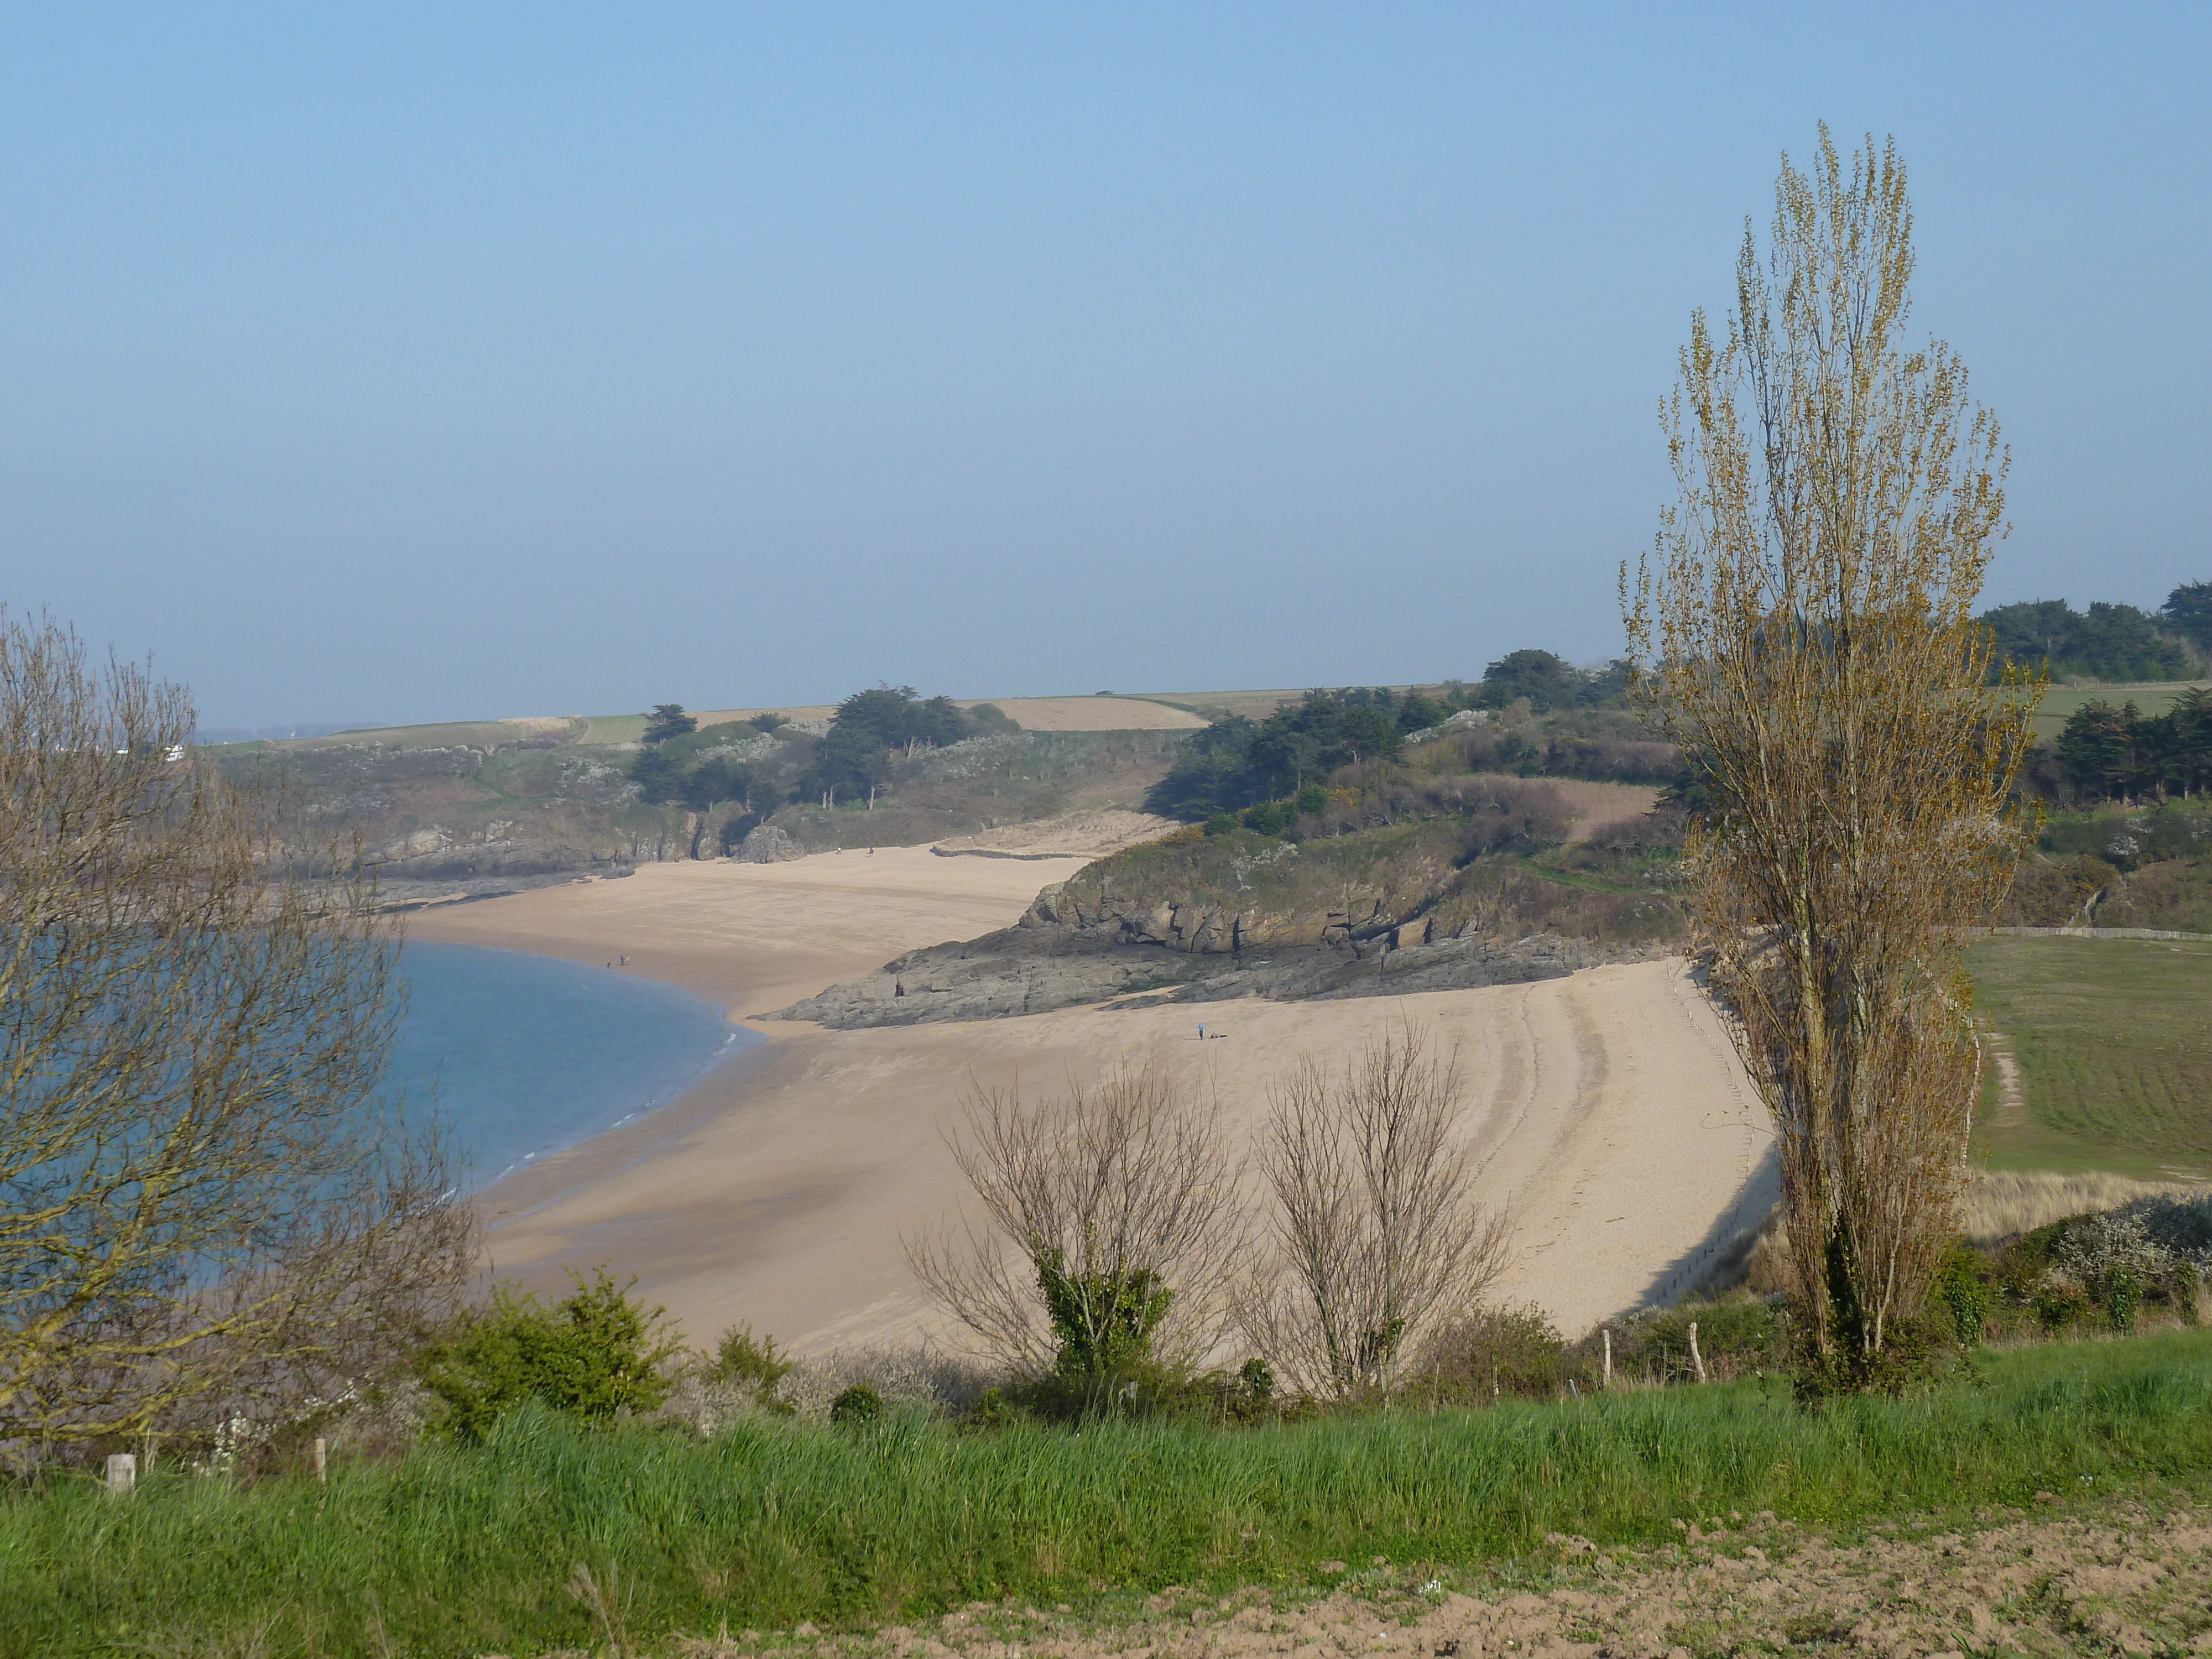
(424, 364)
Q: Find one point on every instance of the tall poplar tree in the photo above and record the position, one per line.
(1805, 629)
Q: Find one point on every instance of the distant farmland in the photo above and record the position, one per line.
(2112, 1039)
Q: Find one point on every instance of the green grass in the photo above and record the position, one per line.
(2060, 701)
(460, 1551)
(1535, 865)
(2114, 1041)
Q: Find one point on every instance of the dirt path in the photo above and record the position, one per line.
(1608, 1113)
(2011, 1091)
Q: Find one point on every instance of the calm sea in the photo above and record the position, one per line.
(526, 1054)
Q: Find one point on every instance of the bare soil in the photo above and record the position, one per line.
(2131, 1575)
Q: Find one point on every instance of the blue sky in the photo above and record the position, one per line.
(404, 363)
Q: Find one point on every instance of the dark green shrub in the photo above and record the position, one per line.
(2123, 1298)
(1103, 1322)
(1258, 1380)
(1492, 1353)
(754, 1364)
(1738, 1335)
(741, 1356)
(1962, 1292)
(994, 1410)
(593, 1353)
(1311, 799)
(1269, 819)
(1103, 1325)
(1222, 823)
(858, 1404)
(1917, 1353)
(2060, 1303)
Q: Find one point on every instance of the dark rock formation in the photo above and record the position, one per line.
(428, 856)
(766, 844)
(1030, 970)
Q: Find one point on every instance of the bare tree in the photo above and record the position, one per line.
(1809, 640)
(1114, 1223)
(1377, 1231)
(202, 1202)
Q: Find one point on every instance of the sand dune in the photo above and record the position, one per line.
(1608, 1112)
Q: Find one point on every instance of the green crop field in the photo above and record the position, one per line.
(2114, 1042)
(2060, 701)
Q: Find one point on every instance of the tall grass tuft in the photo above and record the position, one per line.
(551, 1532)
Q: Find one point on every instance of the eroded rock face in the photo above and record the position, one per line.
(1008, 972)
(766, 844)
(1033, 971)
(1212, 928)
(434, 856)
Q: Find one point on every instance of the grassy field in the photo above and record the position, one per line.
(2149, 698)
(450, 734)
(466, 1550)
(2114, 1042)
(1032, 713)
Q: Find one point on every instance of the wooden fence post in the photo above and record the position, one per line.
(322, 1460)
(1608, 1356)
(1696, 1359)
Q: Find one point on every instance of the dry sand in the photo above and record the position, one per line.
(1610, 1114)
(1072, 834)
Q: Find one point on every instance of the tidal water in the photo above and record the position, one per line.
(525, 1055)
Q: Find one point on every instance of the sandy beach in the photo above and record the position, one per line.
(1607, 1111)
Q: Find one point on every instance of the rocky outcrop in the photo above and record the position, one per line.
(1210, 926)
(1032, 970)
(1459, 722)
(1009, 972)
(766, 844)
(432, 856)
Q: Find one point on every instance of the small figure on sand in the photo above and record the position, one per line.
(1201, 1034)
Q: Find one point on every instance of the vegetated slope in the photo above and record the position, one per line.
(2103, 1052)
(1131, 713)
(1421, 869)
(474, 808)
(2119, 866)
(515, 809)
(2110, 642)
